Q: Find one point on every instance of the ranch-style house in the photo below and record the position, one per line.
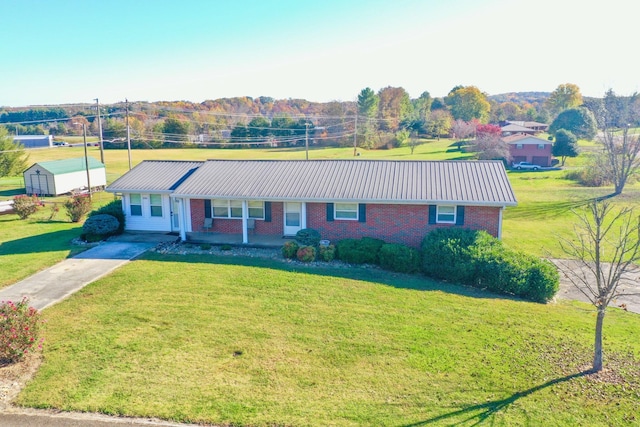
(396, 201)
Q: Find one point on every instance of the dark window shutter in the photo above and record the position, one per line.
(329, 212)
(267, 211)
(460, 215)
(432, 214)
(207, 208)
(362, 212)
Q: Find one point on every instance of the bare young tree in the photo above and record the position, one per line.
(616, 118)
(603, 253)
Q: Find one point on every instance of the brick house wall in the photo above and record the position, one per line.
(406, 224)
(531, 153)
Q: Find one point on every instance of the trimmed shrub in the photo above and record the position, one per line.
(205, 246)
(19, 330)
(400, 258)
(306, 253)
(77, 207)
(327, 253)
(359, 251)
(290, 249)
(308, 237)
(477, 259)
(97, 227)
(25, 206)
(447, 253)
(114, 209)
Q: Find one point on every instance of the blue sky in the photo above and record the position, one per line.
(72, 51)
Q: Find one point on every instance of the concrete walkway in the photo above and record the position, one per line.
(63, 279)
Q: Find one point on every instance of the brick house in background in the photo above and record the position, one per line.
(396, 201)
(527, 148)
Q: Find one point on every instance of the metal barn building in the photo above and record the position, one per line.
(34, 141)
(63, 176)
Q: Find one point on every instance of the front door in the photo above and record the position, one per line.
(175, 215)
(292, 218)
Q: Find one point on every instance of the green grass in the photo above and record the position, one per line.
(28, 246)
(261, 344)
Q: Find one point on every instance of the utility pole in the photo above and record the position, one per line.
(306, 138)
(86, 157)
(100, 131)
(355, 136)
(126, 103)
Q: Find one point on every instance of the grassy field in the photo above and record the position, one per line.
(235, 341)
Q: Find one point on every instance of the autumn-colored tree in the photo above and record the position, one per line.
(462, 131)
(489, 145)
(394, 107)
(468, 103)
(438, 123)
(564, 97)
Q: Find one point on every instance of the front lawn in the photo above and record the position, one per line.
(28, 246)
(200, 339)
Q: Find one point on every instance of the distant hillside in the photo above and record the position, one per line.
(521, 97)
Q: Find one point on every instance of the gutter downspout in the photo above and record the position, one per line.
(500, 223)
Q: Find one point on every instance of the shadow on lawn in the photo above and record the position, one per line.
(552, 209)
(482, 411)
(363, 273)
(47, 242)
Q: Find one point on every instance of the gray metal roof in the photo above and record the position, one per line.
(154, 176)
(372, 181)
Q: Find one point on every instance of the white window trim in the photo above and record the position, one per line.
(455, 213)
(136, 204)
(335, 212)
(228, 203)
(151, 205)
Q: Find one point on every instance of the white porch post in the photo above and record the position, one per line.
(245, 215)
(182, 220)
(303, 215)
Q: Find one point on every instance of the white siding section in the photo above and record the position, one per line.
(146, 222)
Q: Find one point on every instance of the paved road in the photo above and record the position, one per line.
(66, 419)
(63, 279)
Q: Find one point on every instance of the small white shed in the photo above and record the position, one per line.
(62, 176)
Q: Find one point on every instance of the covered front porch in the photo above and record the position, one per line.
(255, 241)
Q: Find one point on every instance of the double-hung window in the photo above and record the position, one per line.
(135, 204)
(256, 210)
(347, 211)
(155, 202)
(233, 209)
(446, 214)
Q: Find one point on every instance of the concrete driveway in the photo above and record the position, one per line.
(629, 285)
(63, 279)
